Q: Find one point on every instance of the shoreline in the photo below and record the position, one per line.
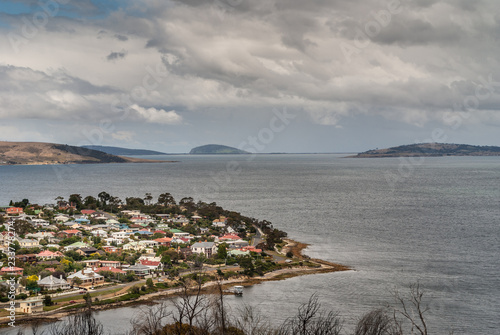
(282, 274)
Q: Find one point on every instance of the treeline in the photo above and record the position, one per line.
(193, 312)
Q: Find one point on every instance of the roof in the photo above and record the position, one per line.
(150, 263)
(110, 269)
(51, 280)
(138, 267)
(163, 240)
(71, 231)
(88, 211)
(203, 245)
(10, 269)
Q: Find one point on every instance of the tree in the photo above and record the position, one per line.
(104, 198)
(149, 283)
(76, 199)
(22, 227)
(76, 281)
(166, 199)
(222, 251)
(147, 198)
(47, 300)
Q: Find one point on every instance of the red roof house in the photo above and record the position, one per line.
(14, 210)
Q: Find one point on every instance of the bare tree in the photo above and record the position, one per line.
(151, 320)
(82, 323)
(412, 309)
(311, 321)
(191, 302)
(377, 322)
(251, 322)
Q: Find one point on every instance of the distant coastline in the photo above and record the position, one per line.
(431, 150)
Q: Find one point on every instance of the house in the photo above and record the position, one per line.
(165, 241)
(110, 248)
(76, 245)
(70, 233)
(86, 251)
(27, 258)
(133, 246)
(152, 265)
(61, 218)
(229, 237)
(206, 248)
(179, 233)
(112, 264)
(99, 233)
(88, 278)
(219, 223)
(14, 211)
(40, 222)
(53, 283)
(109, 269)
(82, 220)
(28, 243)
(87, 211)
(139, 270)
(91, 263)
(29, 306)
(41, 235)
(11, 270)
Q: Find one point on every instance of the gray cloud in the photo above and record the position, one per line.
(116, 55)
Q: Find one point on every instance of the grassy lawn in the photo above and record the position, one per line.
(93, 294)
(50, 308)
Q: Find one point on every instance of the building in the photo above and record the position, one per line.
(139, 270)
(46, 254)
(28, 243)
(206, 248)
(27, 258)
(11, 270)
(88, 278)
(53, 283)
(29, 306)
(87, 251)
(70, 233)
(14, 210)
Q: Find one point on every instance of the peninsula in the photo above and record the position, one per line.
(119, 151)
(431, 150)
(38, 153)
(128, 251)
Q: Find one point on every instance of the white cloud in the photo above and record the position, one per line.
(154, 115)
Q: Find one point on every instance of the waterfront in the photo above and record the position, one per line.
(439, 225)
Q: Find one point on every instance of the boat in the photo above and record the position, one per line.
(238, 290)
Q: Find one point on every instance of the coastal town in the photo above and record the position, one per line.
(108, 250)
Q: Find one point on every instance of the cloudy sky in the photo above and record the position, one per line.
(265, 75)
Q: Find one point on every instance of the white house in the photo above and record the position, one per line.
(53, 283)
(206, 248)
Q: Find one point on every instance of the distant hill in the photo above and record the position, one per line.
(216, 149)
(432, 150)
(122, 151)
(37, 153)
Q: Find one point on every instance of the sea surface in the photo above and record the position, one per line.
(435, 221)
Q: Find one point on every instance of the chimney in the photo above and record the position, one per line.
(60, 277)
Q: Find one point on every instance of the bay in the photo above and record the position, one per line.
(435, 221)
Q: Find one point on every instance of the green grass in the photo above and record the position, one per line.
(93, 294)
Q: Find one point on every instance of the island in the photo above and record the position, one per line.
(39, 153)
(113, 251)
(216, 149)
(431, 150)
(119, 151)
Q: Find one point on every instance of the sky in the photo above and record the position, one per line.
(261, 75)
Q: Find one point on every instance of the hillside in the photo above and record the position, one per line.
(36, 153)
(122, 151)
(432, 150)
(216, 149)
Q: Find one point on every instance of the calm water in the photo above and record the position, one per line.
(438, 224)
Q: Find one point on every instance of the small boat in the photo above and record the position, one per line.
(238, 290)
